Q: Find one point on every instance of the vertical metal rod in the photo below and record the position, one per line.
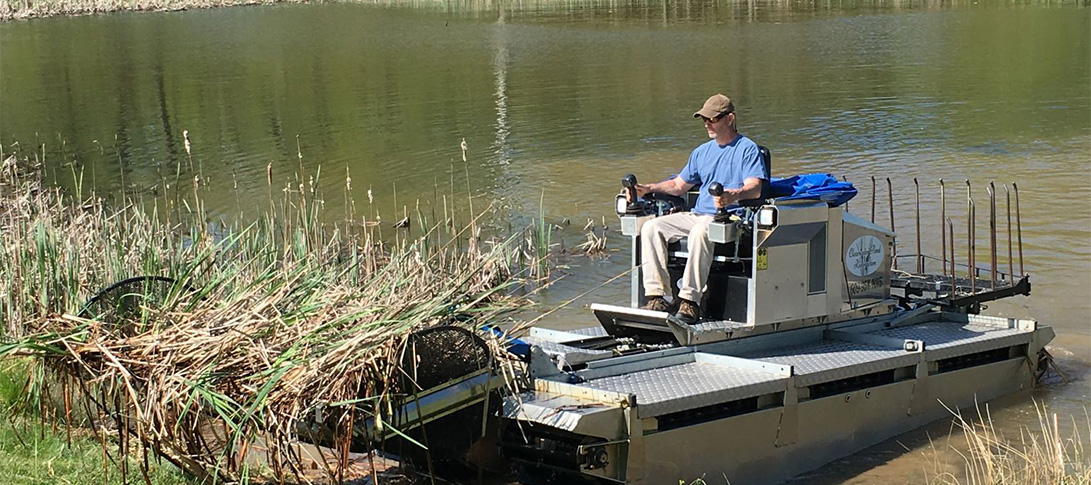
(969, 222)
(973, 261)
(942, 218)
(951, 228)
(845, 179)
(1019, 229)
(873, 197)
(1011, 260)
(992, 235)
(917, 199)
(890, 202)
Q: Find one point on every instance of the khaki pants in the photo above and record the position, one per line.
(656, 234)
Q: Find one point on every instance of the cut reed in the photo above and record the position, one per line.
(259, 326)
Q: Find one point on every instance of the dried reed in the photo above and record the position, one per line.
(265, 324)
(1036, 457)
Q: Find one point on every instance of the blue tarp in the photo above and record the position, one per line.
(816, 186)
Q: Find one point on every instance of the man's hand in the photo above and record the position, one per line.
(751, 189)
(674, 186)
(725, 199)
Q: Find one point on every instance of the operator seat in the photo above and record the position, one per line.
(731, 262)
(721, 252)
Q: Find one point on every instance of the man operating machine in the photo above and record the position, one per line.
(732, 160)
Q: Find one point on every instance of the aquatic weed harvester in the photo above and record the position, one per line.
(815, 345)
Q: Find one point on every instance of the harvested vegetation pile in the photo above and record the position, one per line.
(262, 324)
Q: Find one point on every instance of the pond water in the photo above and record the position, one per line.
(557, 100)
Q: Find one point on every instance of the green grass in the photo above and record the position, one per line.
(31, 453)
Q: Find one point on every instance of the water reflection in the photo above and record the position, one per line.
(557, 99)
(500, 68)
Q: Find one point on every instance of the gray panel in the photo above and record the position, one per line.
(816, 262)
(950, 339)
(793, 234)
(687, 386)
(589, 331)
(831, 360)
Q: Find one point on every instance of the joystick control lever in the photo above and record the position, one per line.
(716, 189)
(632, 206)
(629, 182)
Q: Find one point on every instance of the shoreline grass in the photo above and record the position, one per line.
(27, 9)
(1041, 456)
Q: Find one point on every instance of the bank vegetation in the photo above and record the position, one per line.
(24, 9)
(1051, 453)
(228, 337)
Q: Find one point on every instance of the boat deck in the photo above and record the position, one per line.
(685, 378)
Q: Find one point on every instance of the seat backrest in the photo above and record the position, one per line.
(766, 191)
(767, 160)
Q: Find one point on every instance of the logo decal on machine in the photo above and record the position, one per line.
(864, 255)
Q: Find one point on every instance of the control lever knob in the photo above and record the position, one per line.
(716, 189)
(630, 183)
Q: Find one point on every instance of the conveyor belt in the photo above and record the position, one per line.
(571, 355)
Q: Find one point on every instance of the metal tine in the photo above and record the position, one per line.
(873, 197)
(992, 235)
(973, 260)
(951, 228)
(942, 218)
(845, 179)
(1011, 260)
(917, 199)
(1019, 229)
(890, 202)
(970, 233)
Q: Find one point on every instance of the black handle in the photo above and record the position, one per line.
(716, 189)
(629, 182)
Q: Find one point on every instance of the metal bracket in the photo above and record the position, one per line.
(541, 364)
(788, 432)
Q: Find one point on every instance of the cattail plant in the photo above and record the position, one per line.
(252, 326)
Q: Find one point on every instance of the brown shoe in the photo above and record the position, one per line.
(657, 304)
(688, 313)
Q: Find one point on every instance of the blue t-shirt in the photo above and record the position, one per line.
(729, 165)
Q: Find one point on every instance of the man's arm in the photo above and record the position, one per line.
(751, 189)
(675, 186)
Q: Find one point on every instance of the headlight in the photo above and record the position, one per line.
(767, 217)
(621, 205)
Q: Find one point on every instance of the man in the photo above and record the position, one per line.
(728, 158)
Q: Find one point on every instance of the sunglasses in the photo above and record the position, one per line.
(716, 119)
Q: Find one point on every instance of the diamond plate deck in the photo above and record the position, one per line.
(944, 339)
(571, 355)
(596, 331)
(689, 385)
(830, 360)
